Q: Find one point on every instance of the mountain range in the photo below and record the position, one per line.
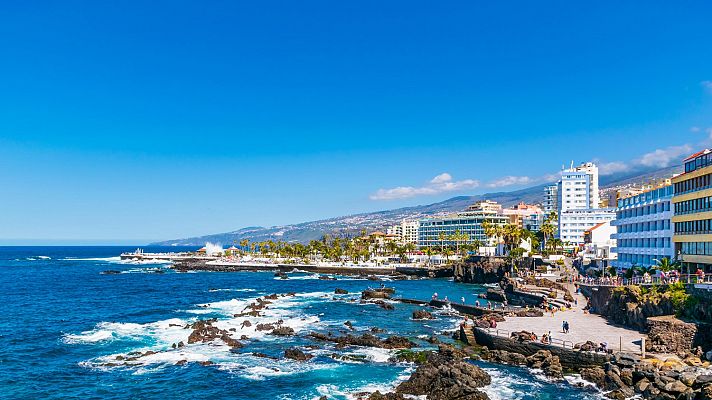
(351, 225)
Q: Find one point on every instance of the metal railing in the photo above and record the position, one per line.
(688, 279)
(552, 342)
(566, 344)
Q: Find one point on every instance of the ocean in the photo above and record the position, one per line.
(69, 331)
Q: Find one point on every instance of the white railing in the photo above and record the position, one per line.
(643, 280)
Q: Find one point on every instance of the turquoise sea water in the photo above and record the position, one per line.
(64, 323)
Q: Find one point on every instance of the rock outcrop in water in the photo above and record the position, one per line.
(422, 314)
(444, 375)
(297, 355)
(543, 359)
(204, 331)
(366, 340)
(383, 293)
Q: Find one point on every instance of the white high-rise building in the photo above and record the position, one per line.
(551, 199)
(406, 231)
(579, 203)
(578, 188)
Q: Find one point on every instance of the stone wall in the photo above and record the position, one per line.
(668, 334)
(569, 358)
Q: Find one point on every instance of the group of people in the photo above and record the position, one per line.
(565, 326)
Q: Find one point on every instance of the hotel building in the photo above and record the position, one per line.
(643, 228)
(574, 223)
(468, 222)
(551, 199)
(406, 231)
(525, 216)
(692, 204)
(578, 203)
(578, 188)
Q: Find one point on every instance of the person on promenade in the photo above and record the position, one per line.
(463, 299)
(477, 303)
(435, 296)
(567, 327)
(544, 339)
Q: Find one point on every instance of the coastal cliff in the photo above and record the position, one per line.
(678, 318)
(481, 269)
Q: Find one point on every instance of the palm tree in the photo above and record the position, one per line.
(547, 231)
(244, 244)
(442, 236)
(492, 231)
(391, 247)
(476, 244)
(410, 247)
(512, 236)
(666, 265)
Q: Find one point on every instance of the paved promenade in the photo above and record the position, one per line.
(582, 327)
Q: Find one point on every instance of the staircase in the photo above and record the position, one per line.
(468, 336)
(558, 302)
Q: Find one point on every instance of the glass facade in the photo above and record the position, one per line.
(701, 182)
(466, 223)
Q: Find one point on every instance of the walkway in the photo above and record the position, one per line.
(582, 327)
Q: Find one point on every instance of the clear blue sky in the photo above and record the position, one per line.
(130, 122)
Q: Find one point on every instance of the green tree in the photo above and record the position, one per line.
(666, 265)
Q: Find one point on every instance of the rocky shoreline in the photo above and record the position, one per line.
(448, 373)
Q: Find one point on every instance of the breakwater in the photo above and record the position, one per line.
(215, 266)
(569, 357)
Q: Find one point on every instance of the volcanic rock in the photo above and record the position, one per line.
(282, 331)
(296, 354)
(422, 314)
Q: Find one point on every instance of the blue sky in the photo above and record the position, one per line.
(132, 122)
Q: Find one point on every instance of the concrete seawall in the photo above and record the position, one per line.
(202, 265)
(570, 358)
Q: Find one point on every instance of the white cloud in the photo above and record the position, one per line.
(510, 181)
(612, 167)
(664, 157)
(707, 85)
(551, 177)
(442, 178)
(695, 129)
(442, 183)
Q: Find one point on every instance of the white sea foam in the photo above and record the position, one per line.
(335, 392)
(373, 354)
(164, 332)
(232, 290)
(503, 385)
(161, 335)
(117, 258)
(258, 368)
